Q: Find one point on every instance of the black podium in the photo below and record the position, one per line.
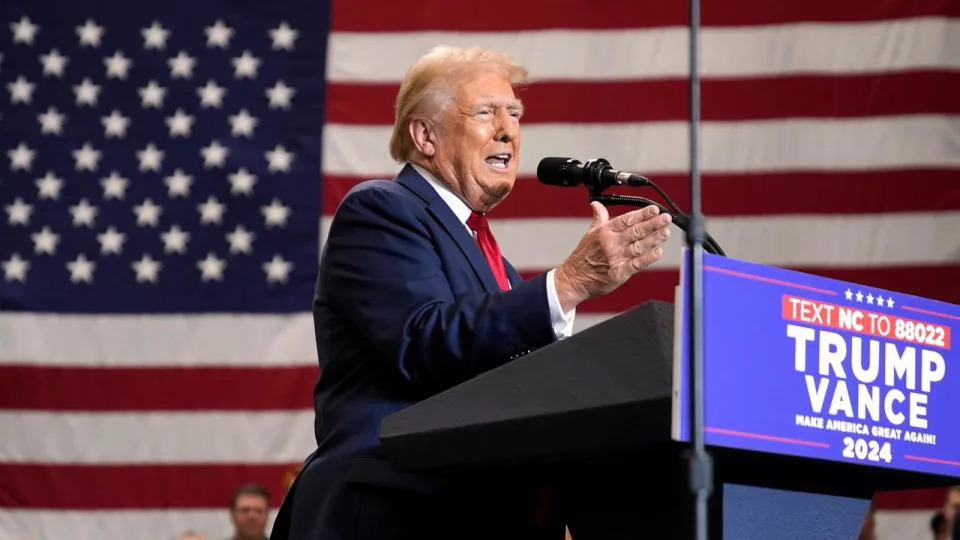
(591, 416)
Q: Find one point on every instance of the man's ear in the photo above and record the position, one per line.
(423, 136)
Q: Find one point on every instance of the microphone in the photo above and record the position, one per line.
(596, 174)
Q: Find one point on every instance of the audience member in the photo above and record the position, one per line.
(251, 504)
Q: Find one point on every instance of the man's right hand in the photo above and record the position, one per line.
(611, 251)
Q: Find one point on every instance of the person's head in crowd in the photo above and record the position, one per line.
(251, 504)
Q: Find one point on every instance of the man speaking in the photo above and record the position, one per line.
(413, 297)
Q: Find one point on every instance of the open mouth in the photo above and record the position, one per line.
(499, 161)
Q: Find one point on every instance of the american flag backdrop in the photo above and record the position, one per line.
(169, 168)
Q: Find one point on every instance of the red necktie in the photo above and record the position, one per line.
(478, 223)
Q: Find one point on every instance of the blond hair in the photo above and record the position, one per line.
(428, 86)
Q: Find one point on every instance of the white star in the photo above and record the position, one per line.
(15, 268)
(859, 296)
(87, 93)
(111, 241)
(21, 157)
(211, 268)
(283, 36)
(280, 95)
(180, 124)
(150, 158)
(181, 65)
(45, 241)
(242, 182)
(152, 95)
(211, 211)
(114, 186)
(49, 186)
(277, 269)
(178, 184)
(54, 63)
(214, 155)
(219, 35)
(24, 31)
(148, 213)
(90, 33)
(51, 121)
(245, 65)
(869, 298)
(154, 37)
(879, 300)
(890, 302)
(81, 269)
(276, 214)
(241, 240)
(279, 159)
(21, 90)
(242, 123)
(83, 213)
(18, 213)
(175, 240)
(849, 294)
(147, 269)
(86, 158)
(211, 95)
(115, 125)
(117, 65)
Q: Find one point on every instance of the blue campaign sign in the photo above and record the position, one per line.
(809, 366)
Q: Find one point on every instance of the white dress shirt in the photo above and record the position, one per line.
(562, 322)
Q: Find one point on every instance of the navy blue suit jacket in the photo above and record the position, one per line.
(406, 306)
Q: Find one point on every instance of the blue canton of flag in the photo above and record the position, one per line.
(160, 157)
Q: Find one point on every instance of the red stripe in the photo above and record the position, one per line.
(101, 487)
(852, 192)
(658, 100)
(154, 389)
(911, 499)
(935, 282)
(378, 16)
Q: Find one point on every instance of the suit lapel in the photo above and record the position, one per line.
(412, 180)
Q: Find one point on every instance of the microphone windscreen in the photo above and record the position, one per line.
(559, 171)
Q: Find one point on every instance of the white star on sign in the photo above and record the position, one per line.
(83, 213)
(111, 241)
(117, 65)
(152, 95)
(242, 124)
(147, 269)
(276, 214)
(51, 121)
(21, 90)
(219, 35)
(241, 240)
(154, 37)
(87, 93)
(54, 63)
(890, 302)
(147, 213)
(45, 241)
(211, 211)
(115, 125)
(879, 300)
(279, 159)
(86, 158)
(859, 296)
(24, 31)
(175, 240)
(178, 184)
(15, 268)
(242, 182)
(214, 155)
(211, 95)
(150, 158)
(283, 37)
(277, 269)
(18, 213)
(49, 186)
(90, 33)
(211, 268)
(181, 65)
(21, 157)
(180, 124)
(114, 186)
(849, 294)
(245, 65)
(869, 298)
(280, 95)
(81, 269)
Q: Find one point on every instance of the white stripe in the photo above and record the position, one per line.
(662, 147)
(904, 524)
(850, 240)
(213, 523)
(800, 48)
(157, 340)
(167, 437)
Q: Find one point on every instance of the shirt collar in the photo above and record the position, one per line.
(456, 204)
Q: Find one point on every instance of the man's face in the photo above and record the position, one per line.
(478, 140)
(250, 515)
